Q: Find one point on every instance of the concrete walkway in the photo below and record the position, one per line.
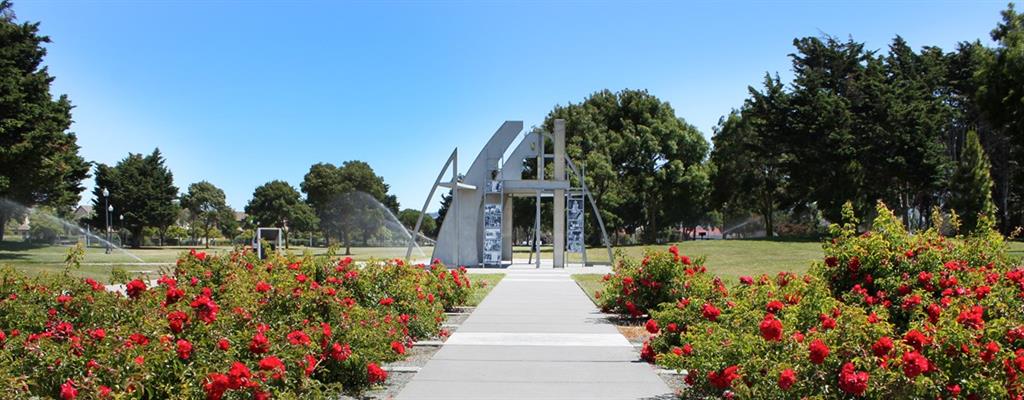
(536, 336)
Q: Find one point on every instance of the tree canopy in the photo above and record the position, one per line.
(349, 200)
(39, 160)
(275, 202)
(208, 208)
(141, 189)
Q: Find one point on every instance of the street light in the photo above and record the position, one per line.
(120, 229)
(106, 202)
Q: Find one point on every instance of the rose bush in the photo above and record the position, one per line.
(229, 326)
(885, 314)
(636, 288)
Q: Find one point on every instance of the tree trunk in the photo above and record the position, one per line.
(769, 228)
(286, 239)
(3, 225)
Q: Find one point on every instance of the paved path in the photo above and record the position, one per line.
(536, 336)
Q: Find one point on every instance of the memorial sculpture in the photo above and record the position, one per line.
(477, 230)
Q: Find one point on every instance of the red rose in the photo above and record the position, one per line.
(774, 306)
(67, 390)
(206, 308)
(710, 312)
(852, 381)
(647, 353)
(746, 280)
(376, 374)
(298, 338)
(339, 352)
(262, 287)
(98, 334)
(387, 301)
(787, 378)
(771, 328)
(652, 326)
(882, 347)
(397, 347)
(184, 349)
(914, 364)
(818, 351)
(223, 344)
(239, 376)
(672, 327)
(259, 344)
(274, 364)
(827, 322)
(135, 288)
(176, 320)
(916, 339)
(723, 380)
(215, 386)
(989, 352)
(972, 318)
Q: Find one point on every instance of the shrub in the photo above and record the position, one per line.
(636, 288)
(218, 326)
(886, 314)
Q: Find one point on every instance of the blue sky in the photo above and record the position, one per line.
(243, 92)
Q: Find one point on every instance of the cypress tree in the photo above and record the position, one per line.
(971, 184)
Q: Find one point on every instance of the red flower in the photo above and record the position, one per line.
(67, 390)
(787, 378)
(651, 326)
(387, 301)
(223, 344)
(914, 364)
(916, 339)
(135, 288)
(262, 287)
(397, 347)
(972, 318)
(723, 380)
(184, 349)
(215, 386)
(376, 374)
(710, 312)
(934, 312)
(259, 344)
(176, 320)
(201, 256)
(771, 328)
(989, 352)
(882, 347)
(173, 295)
(96, 286)
(746, 280)
(340, 352)
(301, 278)
(672, 327)
(827, 322)
(852, 381)
(818, 351)
(239, 376)
(104, 391)
(205, 307)
(310, 365)
(298, 338)
(647, 353)
(272, 363)
(774, 306)
(98, 334)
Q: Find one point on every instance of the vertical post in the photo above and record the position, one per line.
(558, 259)
(455, 206)
(583, 185)
(506, 227)
(536, 230)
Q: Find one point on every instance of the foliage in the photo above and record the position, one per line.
(275, 202)
(644, 165)
(886, 315)
(409, 216)
(207, 204)
(350, 200)
(634, 288)
(43, 227)
(39, 160)
(229, 325)
(141, 189)
(971, 184)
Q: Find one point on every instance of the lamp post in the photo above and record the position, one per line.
(120, 229)
(106, 202)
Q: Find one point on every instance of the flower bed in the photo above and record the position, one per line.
(220, 327)
(886, 314)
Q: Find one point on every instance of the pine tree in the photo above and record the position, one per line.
(971, 184)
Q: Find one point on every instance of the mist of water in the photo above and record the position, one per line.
(376, 214)
(21, 210)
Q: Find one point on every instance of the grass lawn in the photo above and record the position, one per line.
(590, 283)
(482, 285)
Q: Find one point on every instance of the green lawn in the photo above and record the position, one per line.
(590, 283)
(482, 285)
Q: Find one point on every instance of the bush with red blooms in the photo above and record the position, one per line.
(231, 326)
(887, 314)
(634, 289)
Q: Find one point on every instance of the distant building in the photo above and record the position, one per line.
(82, 212)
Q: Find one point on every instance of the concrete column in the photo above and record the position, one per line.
(506, 228)
(558, 260)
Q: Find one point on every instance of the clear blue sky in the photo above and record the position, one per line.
(239, 93)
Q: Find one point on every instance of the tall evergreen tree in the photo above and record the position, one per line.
(276, 201)
(971, 185)
(39, 161)
(208, 208)
(141, 189)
